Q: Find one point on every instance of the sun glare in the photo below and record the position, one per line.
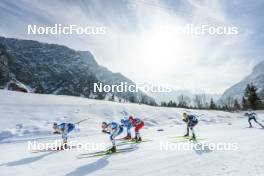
(166, 51)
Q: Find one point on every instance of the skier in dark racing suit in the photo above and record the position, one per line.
(252, 116)
(191, 121)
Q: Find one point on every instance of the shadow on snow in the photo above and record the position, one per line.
(28, 160)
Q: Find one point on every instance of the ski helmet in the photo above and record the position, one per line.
(130, 117)
(126, 117)
(104, 125)
(122, 121)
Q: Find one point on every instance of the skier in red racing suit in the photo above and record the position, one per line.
(138, 124)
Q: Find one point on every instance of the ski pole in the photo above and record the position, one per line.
(200, 115)
(80, 121)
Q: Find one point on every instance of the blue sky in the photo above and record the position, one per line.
(134, 45)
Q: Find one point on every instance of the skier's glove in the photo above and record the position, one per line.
(185, 120)
(107, 132)
(56, 132)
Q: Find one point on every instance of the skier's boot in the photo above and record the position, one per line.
(63, 146)
(193, 138)
(128, 137)
(186, 135)
(112, 150)
(139, 139)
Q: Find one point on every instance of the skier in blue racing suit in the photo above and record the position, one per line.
(114, 129)
(64, 129)
(191, 121)
(126, 123)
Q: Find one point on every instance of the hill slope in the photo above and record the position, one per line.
(56, 69)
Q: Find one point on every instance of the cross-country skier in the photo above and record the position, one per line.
(191, 121)
(138, 124)
(64, 129)
(252, 116)
(126, 123)
(114, 129)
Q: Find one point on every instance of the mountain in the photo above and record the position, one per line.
(55, 69)
(4, 70)
(256, 77)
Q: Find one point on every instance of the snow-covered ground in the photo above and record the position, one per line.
(26, 117)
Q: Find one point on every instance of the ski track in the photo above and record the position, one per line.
(39, 111)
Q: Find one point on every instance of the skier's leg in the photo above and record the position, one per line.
(64, 138)
(138, 137)
(69, 128)
(112, 138)
(187, 134)
(258, 123)
(250, 125)
(128, 133)
(193, 134)
(192, 125)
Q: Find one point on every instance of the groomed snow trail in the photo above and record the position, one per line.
(29, 117)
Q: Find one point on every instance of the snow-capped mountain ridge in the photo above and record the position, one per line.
(256, 77)
(57, 69)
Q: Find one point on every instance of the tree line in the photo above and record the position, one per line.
(250, 100)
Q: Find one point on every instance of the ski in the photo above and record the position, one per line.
(105, 152)
(189, 140)
(124, 142)
(130, 142)
(102, 151)
(80, 121)
(144, 140)
(180, 137)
